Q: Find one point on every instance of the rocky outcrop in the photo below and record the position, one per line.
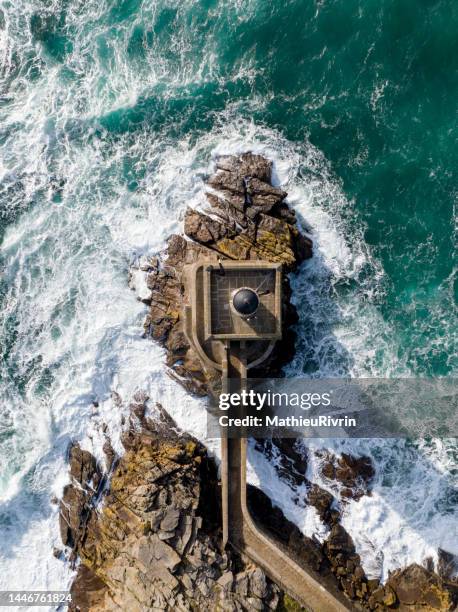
(151, 538)
(346, 565)
(306, 550)
(447, 566)
(336, 558)
(154, 542)
(79, 496)
(147, 527)
(352, 475)
(246, 218)
(414, 588)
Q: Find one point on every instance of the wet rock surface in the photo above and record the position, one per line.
(272, 519)
(78, 497)
(417, 588)
(353, 475)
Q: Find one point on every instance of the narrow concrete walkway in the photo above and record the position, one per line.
(238, 526)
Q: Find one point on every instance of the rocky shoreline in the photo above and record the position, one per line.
(147, 534)
(154, 544)
(146, 528)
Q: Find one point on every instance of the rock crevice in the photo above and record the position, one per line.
(154, 543)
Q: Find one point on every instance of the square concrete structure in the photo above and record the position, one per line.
(219, 283)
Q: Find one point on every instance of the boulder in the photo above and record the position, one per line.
(416, 587)
(339, 541)
(447, 565)
(203, 228)
(75, 505)
(87, 590)
(228, 181)
(83, 466)
(110, 454)
(321, 500)
(352, 475)
(263, 196)
(248, 164)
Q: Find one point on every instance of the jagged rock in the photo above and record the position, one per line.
(83, 466)
(154, 542)
(297, 454)
(229, 181)
(248, 164)
(447, 565)
(72, 512)
(75, 504)
(203, 228)
(339, 541)
(290, 463)
(233, 215)
(153, 553)
(137, 406)
(415, 586)
(139, 282)
(274, 240)
(272, 518)
(321, 500)
(346, 564)
(262, 195)
(258, 583)
(226, 580)
(147, 264)
(249, 219)
(354, 475)
(389, 598)
(88, 592)
(170, 520)
(283, 211)
(110, 454)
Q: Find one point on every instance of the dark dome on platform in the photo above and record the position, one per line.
(245, 301)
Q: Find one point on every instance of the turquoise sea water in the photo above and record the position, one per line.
(110, 115)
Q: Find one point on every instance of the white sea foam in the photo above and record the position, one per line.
(76, 327)
(97, 347)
